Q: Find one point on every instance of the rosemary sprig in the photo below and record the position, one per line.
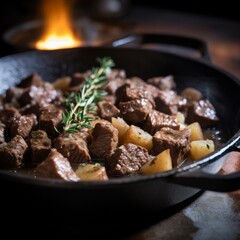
(78, 106)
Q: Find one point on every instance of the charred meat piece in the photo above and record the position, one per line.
(107, 110)
(50, 120)
(135, 111)
(12, 153)
(116, 73)
(23, 125)
(136, 82)
(2, 131)
(127, 93)
(202, 112)
(7, 115)
(12, 95)
(163, 83)
(178, 141)
(43, 95)
(167, 102)
(31, 109)
(114, 84)
(127, 159)
(33, 79)
(104, 139)
(73, 146)
(78, 78)
(40, 146)
(187, 98)
(109, 98)
(153, 90)
(157, 120)
(116, 78)
(57, 167)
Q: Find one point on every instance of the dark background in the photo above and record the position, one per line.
(14, 12)
(223, 9)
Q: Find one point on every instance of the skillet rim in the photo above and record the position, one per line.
(55, 183)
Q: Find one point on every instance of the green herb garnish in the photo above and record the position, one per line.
(80, 105)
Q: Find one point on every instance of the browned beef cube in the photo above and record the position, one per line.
(178, 141)
(57, 167)
(163, 83)
(73, 146)
(12, 153)
(127, 159)
(104, 139)
(7, 115)
(114, 84)
(32, 95)
(187, 98)
(202, 112)
(32, 109)
(136, 82)
(183, 105)
(78, 78)
(75, 89)
(107, 110)
(116, 78)
(127, 93)
(110, 98)
(34, 79)
(50, 120)
(116, 73)
(157, 120)
(40, 146)
(12, 95)
(23, 125)
(135, 111)
(154, 91)
(43, 95)
(167, 102)
(2, 130)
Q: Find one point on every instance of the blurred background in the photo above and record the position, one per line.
(18, 16)
(21, 10)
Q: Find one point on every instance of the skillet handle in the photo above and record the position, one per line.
(207, 181)
(213, 182)
(192, 47)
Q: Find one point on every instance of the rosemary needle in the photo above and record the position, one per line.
(78, 106)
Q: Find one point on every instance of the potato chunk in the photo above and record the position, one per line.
(201, 148)
(162, 162)
(62, 83)
(180, 117)
(121, 126)
(91, 172)
(138, 136)
(196, 131)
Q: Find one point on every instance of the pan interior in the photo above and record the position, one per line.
(219, 87)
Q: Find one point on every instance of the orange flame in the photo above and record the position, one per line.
(58, 32)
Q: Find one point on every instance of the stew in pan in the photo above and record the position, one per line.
(101, 123)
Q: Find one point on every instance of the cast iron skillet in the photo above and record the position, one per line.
(129, 195)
